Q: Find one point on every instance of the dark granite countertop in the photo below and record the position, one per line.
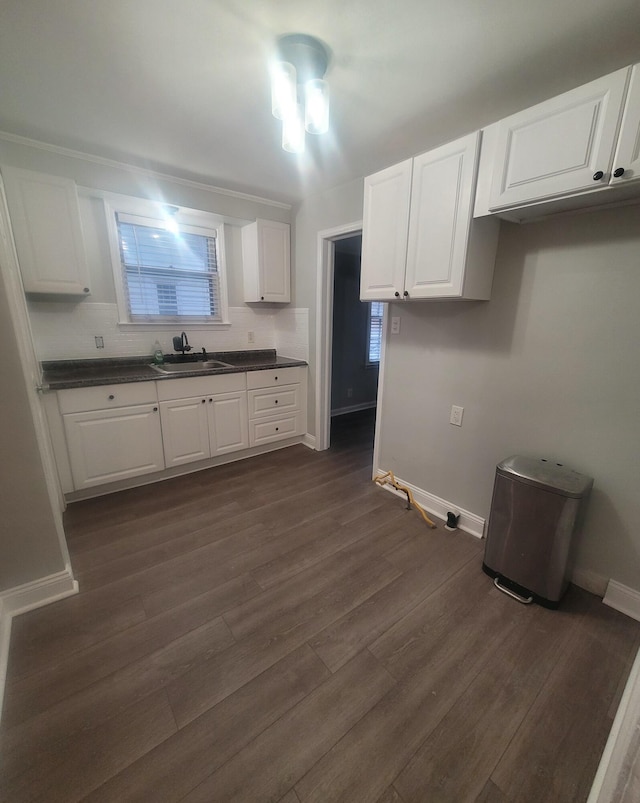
(61, 374)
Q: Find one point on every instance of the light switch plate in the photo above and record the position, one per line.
(395, 325)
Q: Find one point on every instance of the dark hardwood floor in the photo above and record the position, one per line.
(282, 629)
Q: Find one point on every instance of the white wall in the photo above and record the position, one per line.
(327, 210)
(550, 366)
(66, 329)
(30, 546)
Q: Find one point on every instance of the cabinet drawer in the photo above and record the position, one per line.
(274, 377)
(172, 389)
(263, 430)
(78, 400)
(271, 401)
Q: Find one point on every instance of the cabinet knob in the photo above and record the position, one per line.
(261, 298)
(85, 290)
(155, 409)
(277, 429)
(276, 401)
(598, 175)
(619, 171)
(210, 400)
(275, 378)
(406, 293)
(111, 397)
(397, 294)
(203, 401)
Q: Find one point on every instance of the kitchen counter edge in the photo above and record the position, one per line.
(65, 374)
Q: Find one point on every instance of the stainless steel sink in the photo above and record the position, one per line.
(189, 367)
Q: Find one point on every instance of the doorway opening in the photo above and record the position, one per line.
(348, 342)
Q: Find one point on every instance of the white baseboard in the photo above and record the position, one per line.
(623, 745)
(469, 522)
(25, 598)
(309, 441)
(623, 599)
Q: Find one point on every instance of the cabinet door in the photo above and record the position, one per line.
(266, 255)
(109, 445)
(556, 147)
(384, 233)
(628, 153)
(228, 423)
(45, 219)
(441, 212)
(185, 432)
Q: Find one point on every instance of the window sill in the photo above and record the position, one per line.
(166, 326)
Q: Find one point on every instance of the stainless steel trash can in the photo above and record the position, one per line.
(537, 507)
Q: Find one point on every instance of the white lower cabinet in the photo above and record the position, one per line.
(118, 432)
(277, 404)
(211, 423)
(112, 432)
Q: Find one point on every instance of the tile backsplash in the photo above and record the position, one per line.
(69, 330)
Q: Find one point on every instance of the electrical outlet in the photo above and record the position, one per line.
(456, 415)
(251, 337)
(395, 325)
(99, 342)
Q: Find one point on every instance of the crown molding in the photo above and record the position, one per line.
(142, 171)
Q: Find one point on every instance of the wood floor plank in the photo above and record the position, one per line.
(179, 764)
(559, 731)
(457, 759)
(327, 542)
(362, 626)
(211, 682)
(104, 699)
(491, 794)
(275, 764)
(65, 773)
(394, 729)
(39, 691)
(368, 658)
(334, 570)
(390, 795)
(45, 636)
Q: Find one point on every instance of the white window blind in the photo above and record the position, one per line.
(169, 276)
(374, 343)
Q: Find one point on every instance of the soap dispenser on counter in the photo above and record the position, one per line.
(158, 356)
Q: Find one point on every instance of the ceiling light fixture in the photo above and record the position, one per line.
(299, 93)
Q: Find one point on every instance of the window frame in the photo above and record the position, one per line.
(154, 214)
(367, 360)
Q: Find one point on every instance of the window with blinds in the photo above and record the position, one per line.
(169, 275)
(374, 341)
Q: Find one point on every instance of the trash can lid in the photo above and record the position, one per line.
(547, 473)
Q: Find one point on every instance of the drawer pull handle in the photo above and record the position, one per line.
(111, 397)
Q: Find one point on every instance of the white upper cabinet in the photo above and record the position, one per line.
(45, 219)
(384, 232)
(565, 145)
(626, 162)
(419, 238)
(266, 261)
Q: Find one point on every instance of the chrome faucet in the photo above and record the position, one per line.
(181, 343)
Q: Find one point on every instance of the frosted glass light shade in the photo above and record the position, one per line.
(316, 106)
(293, 131)
(283, 89)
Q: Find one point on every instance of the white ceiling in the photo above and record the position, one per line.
(181, 86)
